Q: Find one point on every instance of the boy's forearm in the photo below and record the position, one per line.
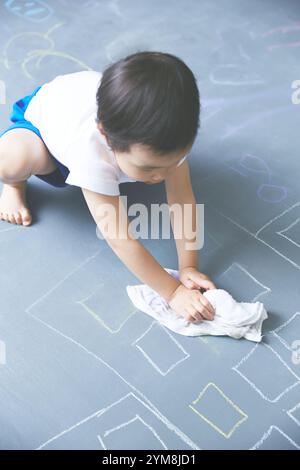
(144, 266)
(186, 257)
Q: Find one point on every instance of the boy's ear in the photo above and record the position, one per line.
(103, 132)
(101, 128)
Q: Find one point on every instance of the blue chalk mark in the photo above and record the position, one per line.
(36, 11)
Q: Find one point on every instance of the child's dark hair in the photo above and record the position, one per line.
(149, 98)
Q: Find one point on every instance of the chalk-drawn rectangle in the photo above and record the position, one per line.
(133, 434)
(102, 307)
(167, 356)
(267, 373)
(235, 276)
(214, 407)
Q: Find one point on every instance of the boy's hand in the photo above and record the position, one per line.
(191, 304)
(195, 306)
(193, 279)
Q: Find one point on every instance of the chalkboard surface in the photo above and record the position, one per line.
(80, 367)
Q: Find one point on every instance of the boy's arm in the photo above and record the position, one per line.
(179, 191)
(129, 250)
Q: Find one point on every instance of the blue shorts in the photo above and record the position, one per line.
(57, 177)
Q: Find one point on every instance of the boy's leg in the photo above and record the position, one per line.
(22, 154)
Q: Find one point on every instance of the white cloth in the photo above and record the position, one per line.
(235, 319)
(64, 110)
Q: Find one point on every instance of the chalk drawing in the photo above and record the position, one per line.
(33, 10)
(208, 116)
(285, 45)
(256, 118)
(37, 55)
(4, 225)
(169, 337)
(284, 233)
(289, 209)
(272, 431)
(126, 43)
(207, 342)
(263, 290)
(243, 53)
(292, 411)
(137, 418)
(268, 192)
(259, 238)
(288, 329)
(143, 402)
(282, 29)
(271, 92)
(226, 402)
(97, 314)
(290, 227)
(240, 76)
(291, 378)
(114, 6)
(286, 250)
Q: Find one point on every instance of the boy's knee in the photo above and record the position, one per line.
(12, 161)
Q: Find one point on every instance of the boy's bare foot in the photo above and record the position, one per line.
(13, 206)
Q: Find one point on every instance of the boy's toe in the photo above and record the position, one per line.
(26, 217)
(12, 219)
(18, 218)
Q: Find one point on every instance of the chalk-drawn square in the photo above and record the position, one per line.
(235, 276)
(218, 410)
(267, 373)
(289, 331)
(276, 439)
(128, 432)
(101, 306)
(294, 413)
(169, 354)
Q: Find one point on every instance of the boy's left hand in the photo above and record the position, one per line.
(193, 279)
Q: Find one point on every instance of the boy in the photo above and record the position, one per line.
(135, 122)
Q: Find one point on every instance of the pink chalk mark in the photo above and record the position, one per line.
(282, 29)
(288, 44)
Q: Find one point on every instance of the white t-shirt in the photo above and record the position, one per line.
(64, 110)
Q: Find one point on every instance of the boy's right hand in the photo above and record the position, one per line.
(191, 304)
